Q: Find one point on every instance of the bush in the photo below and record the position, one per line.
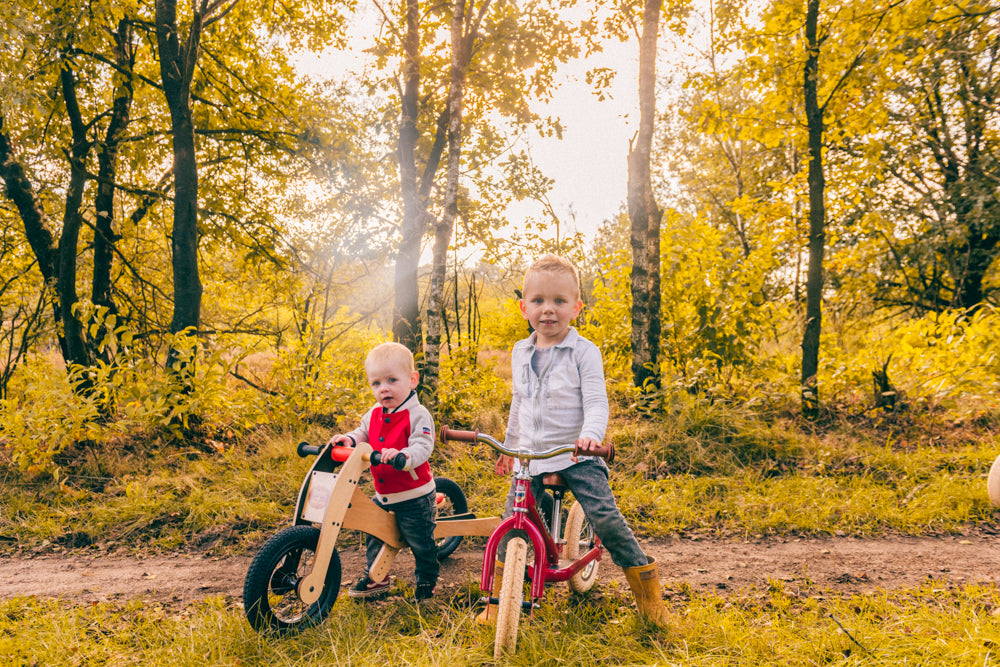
(945, 361)
(324, 380)
(471, 395)
(41, 416)
(48, 409)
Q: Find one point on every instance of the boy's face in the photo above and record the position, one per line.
(550, 302)
(391, 382)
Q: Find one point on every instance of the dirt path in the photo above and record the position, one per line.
(840, 565)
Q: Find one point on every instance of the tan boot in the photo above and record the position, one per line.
(489, 615)
(645, 584)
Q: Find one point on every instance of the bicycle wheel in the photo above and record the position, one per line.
(450, 501)
(579, 540)
(270, 592)
(511, 595)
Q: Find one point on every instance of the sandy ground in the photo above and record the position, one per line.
(837, 565)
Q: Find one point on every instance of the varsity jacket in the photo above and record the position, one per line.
(410, 429)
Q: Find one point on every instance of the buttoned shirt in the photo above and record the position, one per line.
(567, 400)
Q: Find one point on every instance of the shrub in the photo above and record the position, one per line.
(947, 361)
(470, 394)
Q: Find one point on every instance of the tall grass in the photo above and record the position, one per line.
(713, 470)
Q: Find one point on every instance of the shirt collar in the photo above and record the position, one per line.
(404, 404)
(568, 341)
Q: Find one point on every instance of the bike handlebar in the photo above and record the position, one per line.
(305, 449)
(606, 452)
(375, 458)
(398, 461)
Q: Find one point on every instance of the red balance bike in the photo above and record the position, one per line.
(557, 553)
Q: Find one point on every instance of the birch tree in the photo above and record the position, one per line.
(645, 214)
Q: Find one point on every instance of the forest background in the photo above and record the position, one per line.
(796, 302)
(198, 241)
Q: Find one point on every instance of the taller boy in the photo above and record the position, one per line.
(560, 398)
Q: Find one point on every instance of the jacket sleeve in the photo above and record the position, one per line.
(360, 434)
(420, 446)
(595, 393)
(513, 435)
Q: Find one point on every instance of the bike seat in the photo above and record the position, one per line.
(553, 480)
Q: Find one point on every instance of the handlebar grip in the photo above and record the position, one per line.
(454, 434)
(606, 452)
(398, 461)
(305, 449)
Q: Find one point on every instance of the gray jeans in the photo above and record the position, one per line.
(588, 481)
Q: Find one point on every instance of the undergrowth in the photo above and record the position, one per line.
(709, 471)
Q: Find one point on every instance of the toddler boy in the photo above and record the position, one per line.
(399, 424)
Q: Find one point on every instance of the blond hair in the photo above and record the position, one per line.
(391, 352)
(554, 264)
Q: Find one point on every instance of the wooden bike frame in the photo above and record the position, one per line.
(330, 497)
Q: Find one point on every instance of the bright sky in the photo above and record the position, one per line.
(589, 164)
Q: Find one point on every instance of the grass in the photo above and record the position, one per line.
(708, 471)
(929, 625)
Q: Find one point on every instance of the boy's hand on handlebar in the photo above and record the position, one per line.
(394, 458)
(339, 439)
(504, 465)
(585, 447)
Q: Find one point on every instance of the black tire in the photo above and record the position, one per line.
(451, 501)
(270, 592)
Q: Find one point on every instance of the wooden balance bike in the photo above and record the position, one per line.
(294, 580)
(571, 554)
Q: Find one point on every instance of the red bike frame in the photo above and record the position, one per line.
(548, 552)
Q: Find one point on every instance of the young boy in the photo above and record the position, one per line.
(398, 424)
(560, 398)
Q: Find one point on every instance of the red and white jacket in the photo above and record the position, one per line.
(410, 429)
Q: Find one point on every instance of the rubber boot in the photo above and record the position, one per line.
(489, 615)
(645, 583)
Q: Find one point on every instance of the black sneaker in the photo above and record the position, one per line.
(366, 588)
(424, 591)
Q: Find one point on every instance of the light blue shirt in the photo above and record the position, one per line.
(565, 401)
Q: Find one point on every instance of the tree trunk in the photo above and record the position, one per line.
(76, 348)
(981, 243)
(107, 160)
(36, 230)
(645, 215)
(817, 215)
(461, 44)
(177, 65)
(406, 328)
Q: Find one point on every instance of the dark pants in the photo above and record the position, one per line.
(415, 519)
(588, 482)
